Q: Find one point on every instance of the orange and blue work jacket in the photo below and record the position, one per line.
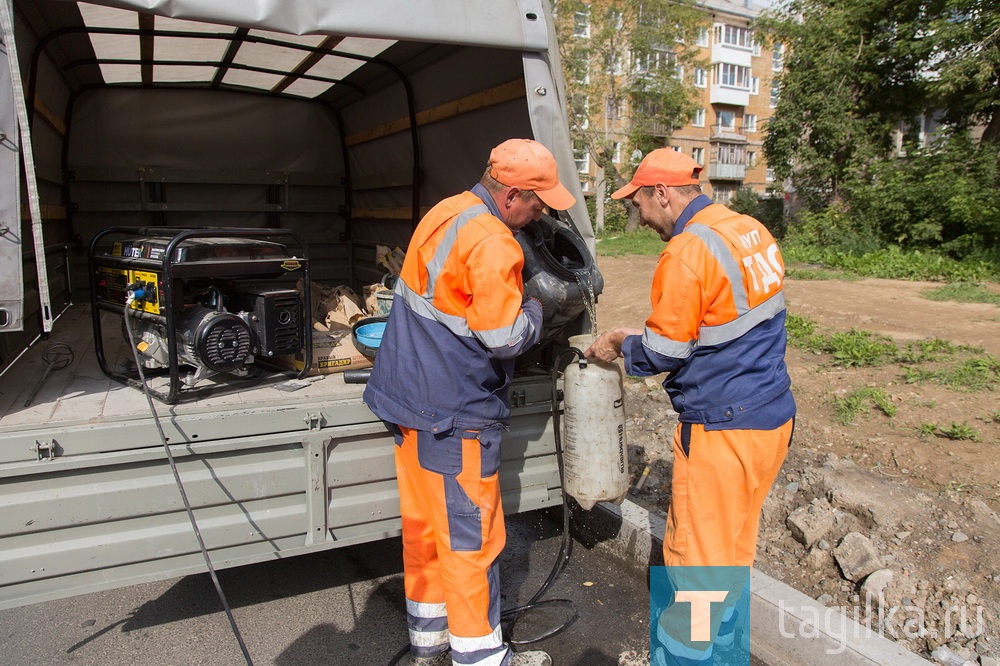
(718, 322)
(457, 322)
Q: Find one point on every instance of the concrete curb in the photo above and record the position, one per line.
(786, 626)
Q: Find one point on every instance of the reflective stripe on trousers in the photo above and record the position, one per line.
(453, 533)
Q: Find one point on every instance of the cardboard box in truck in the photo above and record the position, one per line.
(294, 136)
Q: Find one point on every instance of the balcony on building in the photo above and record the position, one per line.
(653, 127)
(719, 171)
(733, 54)
(728, 134)
(720, 93)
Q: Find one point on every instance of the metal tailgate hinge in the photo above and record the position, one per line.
(314, 420)
(45, 449)
(518, 398)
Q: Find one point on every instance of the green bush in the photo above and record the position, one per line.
(615, 214)
(891, 263)
(945, 196)
(769, 210)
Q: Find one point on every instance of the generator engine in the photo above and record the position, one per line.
(200, 298)
(225, 332)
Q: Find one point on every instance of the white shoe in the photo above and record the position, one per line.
(531, 658)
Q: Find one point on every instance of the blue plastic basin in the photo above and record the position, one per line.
(370, 335)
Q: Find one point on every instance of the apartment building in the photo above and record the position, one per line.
(735, 99)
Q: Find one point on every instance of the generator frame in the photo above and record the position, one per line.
(173, 272)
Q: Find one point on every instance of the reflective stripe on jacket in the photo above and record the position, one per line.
(718, 324)
(456, 324)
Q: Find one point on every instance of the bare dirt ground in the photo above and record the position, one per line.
(923, 506)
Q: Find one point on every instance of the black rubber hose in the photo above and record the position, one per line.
(562, 559)
(184, 497)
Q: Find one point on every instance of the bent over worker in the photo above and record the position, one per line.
(717, 329)
(441, 377)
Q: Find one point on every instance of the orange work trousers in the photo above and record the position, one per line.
(453, 533)
(720, 480)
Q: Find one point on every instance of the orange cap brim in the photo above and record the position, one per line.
(626, 191)
(557, 198)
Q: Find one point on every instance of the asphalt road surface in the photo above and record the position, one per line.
(343, 606)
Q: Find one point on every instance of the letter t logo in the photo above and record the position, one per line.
(701, 610)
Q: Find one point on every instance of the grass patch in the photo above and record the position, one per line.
(964, 292)
(642, 241)
(971, 374)
(799, 328)
(893, 263)
(960, 431)
(855, 348)
(962, 367)
(927, 428)
(814, 273)
(850, 406)
(929, 351)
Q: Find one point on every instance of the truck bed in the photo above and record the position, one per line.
(88, 500)
(82, 393)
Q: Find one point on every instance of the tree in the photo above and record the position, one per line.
(966, 59)
(853, 73)
(621, 60)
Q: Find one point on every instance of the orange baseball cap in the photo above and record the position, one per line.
(663, 165)
(529, 165)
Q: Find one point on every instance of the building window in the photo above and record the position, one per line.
(617, 156)
(698, 155)
(612, 109)
(582, 157)
(754, 85)
(580, 106)
(775, 93)
(770, 175)
(581, 24)
(700, 77)
(702, 37)
(750, 123)
(731, 154)
(722, 194)
(732, 35)
(615, 64)
(734, 76)
(699, 118)
(581, 68)
(655, 60)
(726, 119)
(778, 58)
(751, 159)
(677, 149)
(756, 47)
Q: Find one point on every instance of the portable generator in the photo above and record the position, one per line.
(213, 300)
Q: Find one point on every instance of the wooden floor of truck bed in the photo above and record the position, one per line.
(82, 392)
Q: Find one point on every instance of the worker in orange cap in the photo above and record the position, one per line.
(458, 321)
(718, 330)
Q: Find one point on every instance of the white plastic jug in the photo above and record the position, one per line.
(595, 449)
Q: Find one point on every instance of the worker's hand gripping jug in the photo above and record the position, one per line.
(595, 451)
